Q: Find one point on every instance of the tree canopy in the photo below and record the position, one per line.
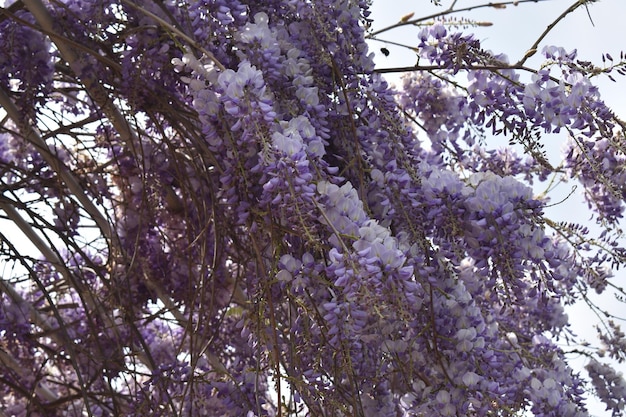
(221, 208)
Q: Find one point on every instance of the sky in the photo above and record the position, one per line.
(514, 29)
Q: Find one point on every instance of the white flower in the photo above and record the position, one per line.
(290, 145)
(258, 31)
(471, 379)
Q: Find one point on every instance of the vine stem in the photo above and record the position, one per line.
(448, 11)
(552, 26)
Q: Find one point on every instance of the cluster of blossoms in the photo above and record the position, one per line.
(253, 227)
(21, 44)
(450, 50)
(442, 113)
(550, 101)
(598, 163)
(609, 386)
(572, 102)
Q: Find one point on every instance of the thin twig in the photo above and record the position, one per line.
(412, 22)
(549, 29)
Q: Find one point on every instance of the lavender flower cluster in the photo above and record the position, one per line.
(234, 215)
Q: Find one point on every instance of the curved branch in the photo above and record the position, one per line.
(73, 184)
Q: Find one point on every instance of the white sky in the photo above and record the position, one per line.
(514, 30)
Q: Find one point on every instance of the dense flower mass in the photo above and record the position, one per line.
(228, 212)
(599, 165)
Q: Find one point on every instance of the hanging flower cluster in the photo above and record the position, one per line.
(230, 213)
